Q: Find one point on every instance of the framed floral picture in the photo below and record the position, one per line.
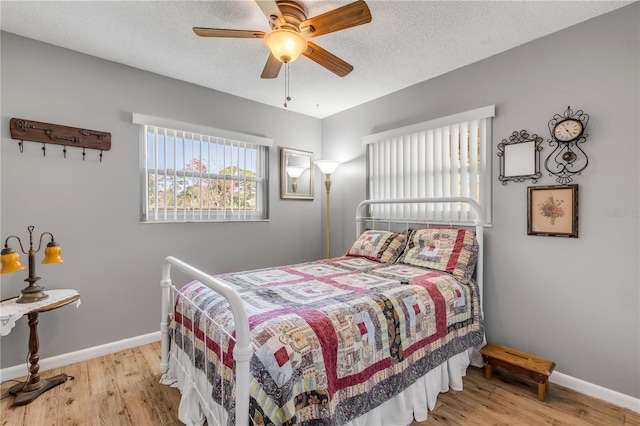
(553, 210)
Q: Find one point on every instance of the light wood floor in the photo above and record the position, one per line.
(123, 389)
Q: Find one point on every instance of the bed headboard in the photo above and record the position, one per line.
(363, 215)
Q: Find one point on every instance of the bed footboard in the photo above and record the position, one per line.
(242, 351)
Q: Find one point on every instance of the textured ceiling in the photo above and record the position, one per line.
(406, 42)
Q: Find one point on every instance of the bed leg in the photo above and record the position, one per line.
(164, 324)
(242, 356)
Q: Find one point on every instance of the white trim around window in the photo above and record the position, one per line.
(167, 123)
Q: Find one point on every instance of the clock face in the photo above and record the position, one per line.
(568, 130)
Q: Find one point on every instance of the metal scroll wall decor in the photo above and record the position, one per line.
(567, 135)
(35, 131)
(520, 157)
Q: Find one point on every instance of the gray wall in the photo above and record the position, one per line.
(575, 301)
(93, 208)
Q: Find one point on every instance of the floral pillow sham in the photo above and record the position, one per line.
(451, 250)
(380, 246)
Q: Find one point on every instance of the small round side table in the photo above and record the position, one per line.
(10, 311)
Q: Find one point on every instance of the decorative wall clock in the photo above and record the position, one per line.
(567, 134)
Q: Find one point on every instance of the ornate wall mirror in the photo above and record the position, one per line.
(296, 174)
(520, 157)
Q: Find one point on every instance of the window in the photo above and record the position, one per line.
(445, 157)
(201, 174)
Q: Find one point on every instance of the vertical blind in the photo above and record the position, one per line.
(446, 157)
(189, 176)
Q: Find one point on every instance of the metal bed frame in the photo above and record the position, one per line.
(242, 352)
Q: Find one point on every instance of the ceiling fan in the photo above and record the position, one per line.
(290, 29)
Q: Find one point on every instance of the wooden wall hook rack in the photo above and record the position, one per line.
(36, 131)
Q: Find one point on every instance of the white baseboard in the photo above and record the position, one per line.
(608, 395)
(81, 355)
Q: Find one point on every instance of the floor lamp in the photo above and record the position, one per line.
(327, 167)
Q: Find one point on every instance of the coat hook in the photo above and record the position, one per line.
(21, 146)
(44, 150)
(101, 156)
(64, 151)
(83, 154)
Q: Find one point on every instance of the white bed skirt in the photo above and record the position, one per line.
(413, 403)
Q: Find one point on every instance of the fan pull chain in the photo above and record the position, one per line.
(287, 98)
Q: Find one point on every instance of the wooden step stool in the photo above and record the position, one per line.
(539, 369)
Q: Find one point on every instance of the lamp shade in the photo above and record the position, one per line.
(286, 45)
(53, 253)
(10, 261)
(327, 166)
(295, 171)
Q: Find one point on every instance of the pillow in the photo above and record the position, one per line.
(380, 246)
(452, 250)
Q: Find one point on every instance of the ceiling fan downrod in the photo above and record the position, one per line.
(287, 98)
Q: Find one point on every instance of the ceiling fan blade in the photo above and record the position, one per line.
(351, 15)
(216, 32)
(271, 68)
(327, 60)
(271, 11)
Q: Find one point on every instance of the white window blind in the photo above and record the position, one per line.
(445, 157)
(189, 176)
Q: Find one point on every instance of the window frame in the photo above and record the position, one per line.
(202, 135)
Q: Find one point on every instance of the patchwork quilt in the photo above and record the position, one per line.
(332, 339)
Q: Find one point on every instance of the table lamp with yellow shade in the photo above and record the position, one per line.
(10, 260)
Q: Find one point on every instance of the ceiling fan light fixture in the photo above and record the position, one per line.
(285, 45)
